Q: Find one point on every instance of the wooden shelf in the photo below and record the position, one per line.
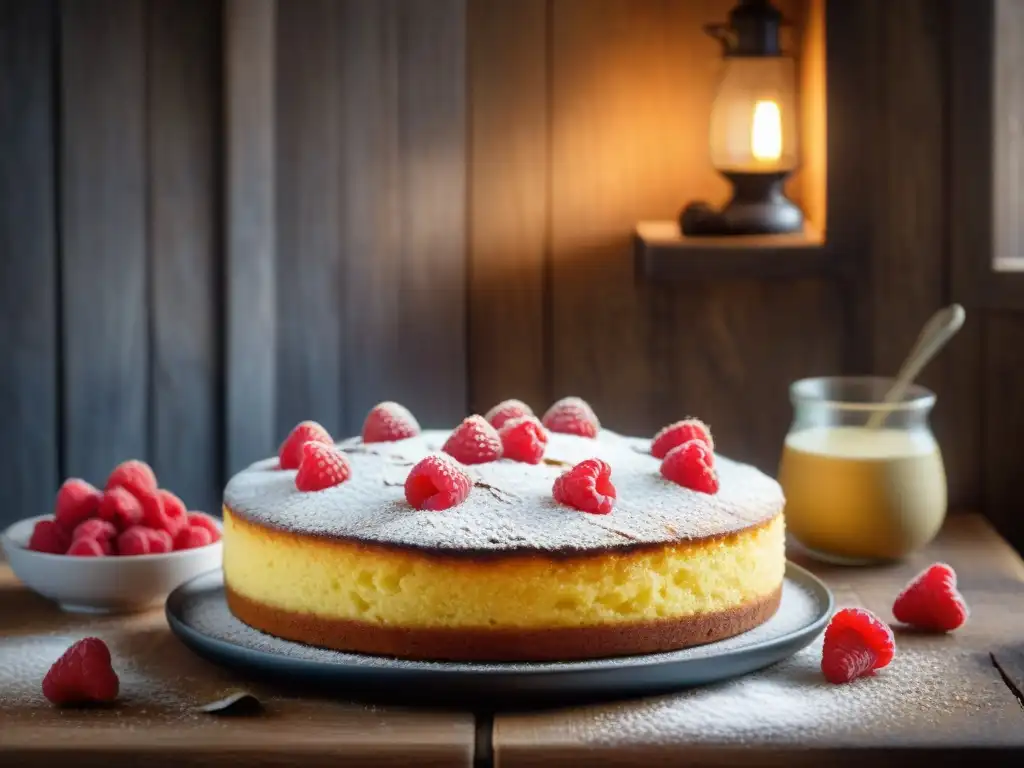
(663, 253)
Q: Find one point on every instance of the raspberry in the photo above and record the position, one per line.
(162, 511)
(204, 521)
(856, 643)
(48, 536)
(83, 675)
(192, 537)
(474, 441)
(120, 507)
(86, 547)
(506, 411)
(135, 541)
(134, 475)
(175, 512)
(77, 501)
(101, 530)
(289, 456)
(323, 466)
(678, 433)
(691, 466)
(587, 487)
(523, 439)
(572, 416)
(931, 601)
(437, 483)
(387, 422)
(160, 541)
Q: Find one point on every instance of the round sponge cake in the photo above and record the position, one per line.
(510, 574)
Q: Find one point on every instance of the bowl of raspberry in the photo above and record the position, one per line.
(120, 549)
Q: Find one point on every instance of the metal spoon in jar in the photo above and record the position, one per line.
(942, 326)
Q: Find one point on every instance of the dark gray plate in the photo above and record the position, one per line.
(198, 614)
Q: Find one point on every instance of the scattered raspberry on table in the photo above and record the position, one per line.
(856, 644)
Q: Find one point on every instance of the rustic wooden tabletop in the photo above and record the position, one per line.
(944, 699)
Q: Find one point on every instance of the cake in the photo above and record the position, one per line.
(510, 573)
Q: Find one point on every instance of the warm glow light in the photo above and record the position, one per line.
(766, 131)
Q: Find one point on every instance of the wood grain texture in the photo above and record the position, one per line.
(1008, 136)
(910, 263)
(103, 236)
(153, 722)
(662, 253)
(625, 148)
(251, 300)
(942, 699)
(29, 448)
(371, 224)
(183, 121)
(1003, 421)
(852, 73)
(403, 166)
(432, 145)
(310, 261)
(508, 226)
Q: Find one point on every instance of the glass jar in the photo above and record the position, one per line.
(859, 494)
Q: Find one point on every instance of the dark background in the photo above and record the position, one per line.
(219, 218)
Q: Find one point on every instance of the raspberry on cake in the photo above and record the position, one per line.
(587, 487)
(437, 483)
(289, 455)
(323, 466)
(691, 465)
(523, 439)
(474, 441)
(506, 411)
(678, 433)
(387, 422)
(572, 416)
(417, 556)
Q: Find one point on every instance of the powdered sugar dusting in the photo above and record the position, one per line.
(205, 610)
(511, 506)
(930, 682)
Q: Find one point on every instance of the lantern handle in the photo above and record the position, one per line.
(724, 34)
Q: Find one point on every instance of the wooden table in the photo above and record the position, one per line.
(944, 699)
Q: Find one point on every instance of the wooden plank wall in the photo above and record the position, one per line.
(223, 216)
(583, 125)
(219, 218)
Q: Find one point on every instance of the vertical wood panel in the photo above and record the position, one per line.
(1004, 421)
(311, 317)
(184, 120)
(103, 213)
(508, 89)
(250, 272)
(911, 265)
(403, 168)
(371, 236)
(969, 228)
(1008, 136)
(432, 144)
(908, 232)
(629, 80)
(28, 262)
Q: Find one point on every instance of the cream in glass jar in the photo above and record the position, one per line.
(857, 494)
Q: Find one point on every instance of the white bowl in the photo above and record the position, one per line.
(103, 584)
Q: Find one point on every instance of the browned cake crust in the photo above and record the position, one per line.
(555, 644)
